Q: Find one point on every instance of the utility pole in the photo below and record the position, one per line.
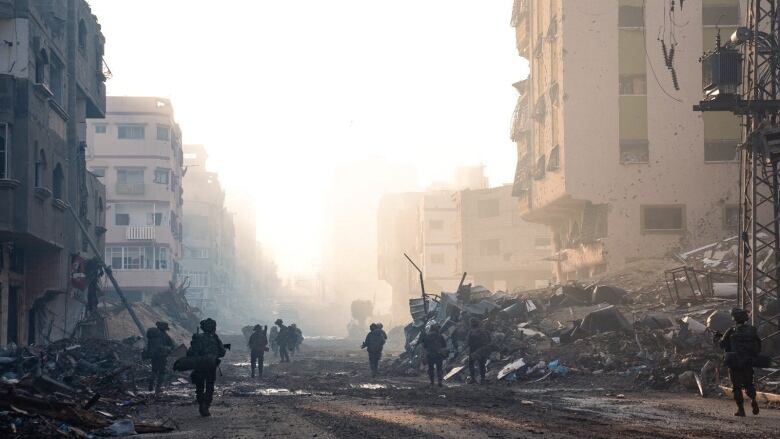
(750, 59)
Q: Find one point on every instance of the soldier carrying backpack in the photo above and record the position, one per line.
(742, 347)
(158, 345)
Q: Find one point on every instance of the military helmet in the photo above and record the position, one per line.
(278, 322)
(258, 327)
(739, 315)
(379, 326)
(208, 325)
(372, 326)
(435, 328)
(162, 326)
(293, 325)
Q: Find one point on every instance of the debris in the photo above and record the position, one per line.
(511, 368)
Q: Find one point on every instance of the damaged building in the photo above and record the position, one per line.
(53, 80)
(137, 152)
(652, 179)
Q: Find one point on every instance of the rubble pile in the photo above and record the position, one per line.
(629, 328)
(72, 388)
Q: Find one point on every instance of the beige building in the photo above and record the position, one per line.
(610, 155)
(496, 247)
(136, 151)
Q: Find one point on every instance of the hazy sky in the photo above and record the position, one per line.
(283, 91)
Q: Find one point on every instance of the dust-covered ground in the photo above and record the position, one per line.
(327, 392)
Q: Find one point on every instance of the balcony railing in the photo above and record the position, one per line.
(130, 188)
(140, 233)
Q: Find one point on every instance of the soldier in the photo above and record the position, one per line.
(273, 337)
(742, 345)
(479, 344)
(283, 341)
(258, 345)
(436, 351)
(382, 330)
(158, 345)
(375, 341)
(210, 349)
(296, 336)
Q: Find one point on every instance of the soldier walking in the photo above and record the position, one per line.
(375, 341)
(209, 348)
(273, 338)
(742, 345)
(258, 345)
(479, 344)
(436, 351)
(283, 341)
(158, 346)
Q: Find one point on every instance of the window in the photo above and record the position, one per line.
(161, 258)
(100, 129)
(130, 181)
(195, 226)
(198, 252)
(722, 132)
(122, 219)
(633, 84)
(57, 181)
(163, 132)
(114, 257)
(555, 158)
(662, 218)
(41, 61)
(131, 132)
(99, 172)
(198, 279)
(542, 242)
(82, 35)
(630, 13)
(437, 258)
(490, 247)
(57, 82)
(487, 208)
(436, 225)
(154, 219)
(40, 167)
(720, 13)
(5, 146)
(731, 217)
(161, 176)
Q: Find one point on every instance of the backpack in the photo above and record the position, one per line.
(744, 341)
(155, 344)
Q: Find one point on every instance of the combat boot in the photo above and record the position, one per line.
(253, 373)
(754, 405)
(203, 409)
(740, 410)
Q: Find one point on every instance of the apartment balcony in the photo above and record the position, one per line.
(130, 188)
(140, 233)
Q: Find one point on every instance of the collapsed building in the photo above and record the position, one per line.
(654, 178)
(54, 79)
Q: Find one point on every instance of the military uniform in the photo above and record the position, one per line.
(742, 345)
(374, 343)
(208, 346)
(283, 340)
(435, 349)
(479, 342)
(258, 344)
(158, 345)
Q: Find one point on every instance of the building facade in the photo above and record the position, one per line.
(52, 81)
(137, 153)
(611, 156)
(497, 248)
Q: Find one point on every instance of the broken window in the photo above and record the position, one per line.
(5, 146)
(198, 279)
(161, 176)
(161, 258)
(634, 151)
(82, 35)
(554, 162)
(722, 132)
(490, 247)
(630, 13)
(41, 61)
(662, 218)
(731, 216)
(57, 82)
(131, 132)
(40, 167)
(540, 168)
(487, 208)
(437, 258)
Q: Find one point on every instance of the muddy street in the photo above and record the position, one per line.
(329, 393)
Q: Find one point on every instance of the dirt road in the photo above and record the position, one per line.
(327, 395)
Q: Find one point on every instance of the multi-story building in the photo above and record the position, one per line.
(611, 156)
(496, 247)
(439, 240)
(204, 209)
(136, 151)
(52, 79)
(398, 233)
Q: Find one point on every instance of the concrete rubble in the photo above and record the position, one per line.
(627, 324)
